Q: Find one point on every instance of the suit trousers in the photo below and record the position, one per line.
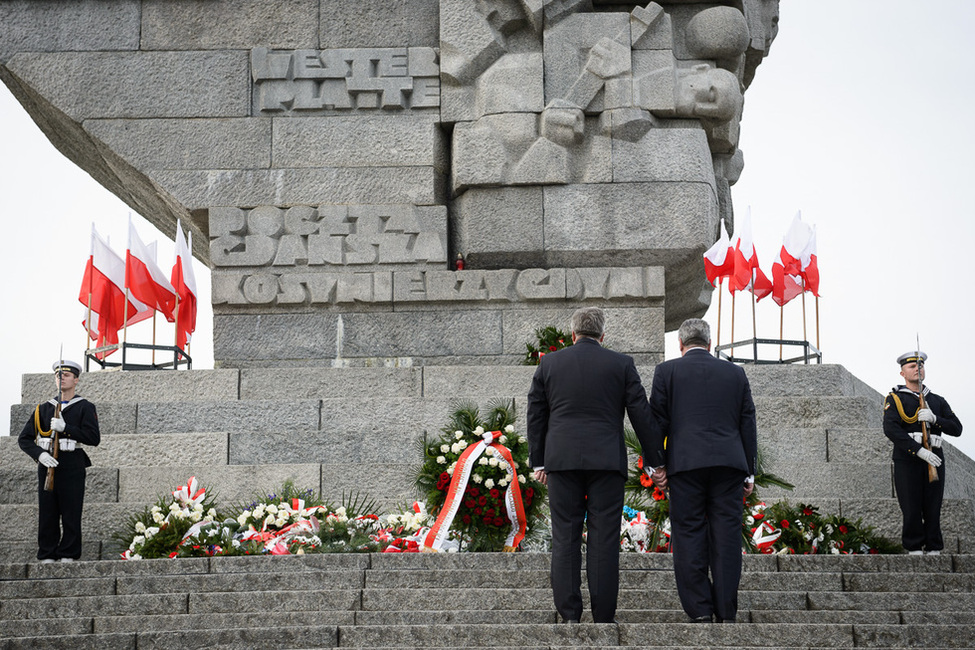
(596, 498)
(59, 513)
(920, 502)
(706, 507)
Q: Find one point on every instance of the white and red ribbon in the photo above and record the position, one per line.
(458, 485)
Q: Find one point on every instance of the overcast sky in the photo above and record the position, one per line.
(860, 118)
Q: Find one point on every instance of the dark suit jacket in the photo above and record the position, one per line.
(704, 409)
(575, 409)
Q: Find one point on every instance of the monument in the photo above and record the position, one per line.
(333, 159)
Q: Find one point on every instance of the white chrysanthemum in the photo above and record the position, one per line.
(196, 516)
(212, 513)
(489, 483)
(138, 540)
(510, 428)
(158, 518)
(156, 509)
(140, 527)
(173, 507)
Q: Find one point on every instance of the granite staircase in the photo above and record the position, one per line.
(474, 601)
(242, 431)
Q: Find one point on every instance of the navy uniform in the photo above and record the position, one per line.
(919, 499)
(59, 511)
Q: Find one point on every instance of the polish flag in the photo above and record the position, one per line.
(793, 244)
(145, 280)
(746, 258)
(103, 289)
(810, 265)
(785, 287)
(719, 260)
(184, 282)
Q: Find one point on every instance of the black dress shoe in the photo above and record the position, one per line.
(701, 619)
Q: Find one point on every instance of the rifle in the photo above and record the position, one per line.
(55, 440)
(932, 471)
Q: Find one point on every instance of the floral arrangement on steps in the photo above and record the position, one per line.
(475, 478)
(288, 521)
(776, 528)
(548, 339)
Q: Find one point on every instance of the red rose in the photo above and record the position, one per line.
(489, 512)
(473, 491)
(498, 521)
(843, 529)
(552, 348)
(807, 511)
(784, 523)
(495, 493)
(529, 493)
(466, 519)
(482, 501)
(470, 503)
(477, 511)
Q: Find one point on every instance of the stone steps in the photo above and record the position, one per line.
(473, 600)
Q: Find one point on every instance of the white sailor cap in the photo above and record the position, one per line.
(911, 357)
(72, 366)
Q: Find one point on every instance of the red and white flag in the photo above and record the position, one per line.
(745, 257)
(719, 260)
(760, 285)
(103, 289)
(785, 286)
(793, 244)
(810, 265)
(184, 281)
(145, 280)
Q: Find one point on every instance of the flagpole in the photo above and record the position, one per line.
(732, 349)
(805, 337)
(754, 321)
(817, 324)
(781, 329)
(153, 339)
(720, 287)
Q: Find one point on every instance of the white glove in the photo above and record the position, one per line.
(47, 460)
(926, 415)
(57, 424)
(929, 457)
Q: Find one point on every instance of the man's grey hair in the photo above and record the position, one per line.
(588, 321)
(695, 332)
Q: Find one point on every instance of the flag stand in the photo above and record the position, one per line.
(809, 353)
(180, 357)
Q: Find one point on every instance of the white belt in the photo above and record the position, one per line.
(64, 444)
(933, 440)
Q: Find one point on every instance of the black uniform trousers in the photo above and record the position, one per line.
(920, 502)
(59, 513)
(706, 508)
(596, 497)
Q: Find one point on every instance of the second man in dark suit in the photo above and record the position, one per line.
(575, 432)
(704, 409)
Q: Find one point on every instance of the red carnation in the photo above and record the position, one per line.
(784, 523)
(552, 348)
(807, 511)
(843, 529)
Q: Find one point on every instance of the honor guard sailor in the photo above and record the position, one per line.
(55, 436)
(911, 410)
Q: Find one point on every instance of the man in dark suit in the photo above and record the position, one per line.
(704, 409)
(575, 434)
